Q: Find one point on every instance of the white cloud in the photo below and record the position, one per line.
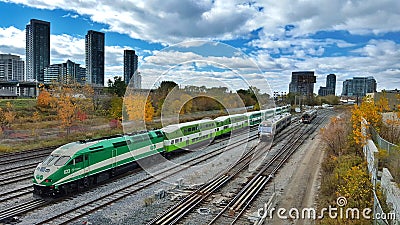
(12, 41)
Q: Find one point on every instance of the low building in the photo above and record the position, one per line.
(6, 94)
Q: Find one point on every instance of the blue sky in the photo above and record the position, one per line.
(260, 42)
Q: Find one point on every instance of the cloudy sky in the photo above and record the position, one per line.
(252, 42)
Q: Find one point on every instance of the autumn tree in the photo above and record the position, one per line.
(44, 99)
(71, 102)
(356, 187)
(371, 113)
(335, 134)
(138, 107)
(9, 115)
(116, 107)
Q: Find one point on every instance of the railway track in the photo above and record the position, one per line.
(22, 208)
(105, 200)
(10, 195)
(40, 153)
(24, 190)
(186, 205)
(233, 211)
(15, 179)
(16, 169)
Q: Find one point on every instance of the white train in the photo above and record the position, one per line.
(270, 127)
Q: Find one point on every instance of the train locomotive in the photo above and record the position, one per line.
(82, 164)
(267, 129)
(308, 116)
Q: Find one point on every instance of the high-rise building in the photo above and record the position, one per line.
(359, 86)
(37, 49)
(331, 82)
(330, 86)
(302, 83)
(11, 67)
(130, 65)
(65, 73)
(94, 49)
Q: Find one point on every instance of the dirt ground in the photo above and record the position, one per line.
(301, 177)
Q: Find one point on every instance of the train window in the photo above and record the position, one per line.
(62, 160)
(176, 140)
(180, 139)
(79, 159)
(52, 160)
(189, 129)
(120, 144)
(47, 160)
(86, 157)
(159, 134)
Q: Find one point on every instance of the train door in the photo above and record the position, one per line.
(86, 165)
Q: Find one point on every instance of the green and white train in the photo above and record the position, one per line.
(82, 164)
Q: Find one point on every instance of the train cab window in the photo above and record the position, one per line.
(47, 160)
(50, 161)
(79, 159)
(172, 142)
(62, 160)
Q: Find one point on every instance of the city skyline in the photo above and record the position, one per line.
(360, 41)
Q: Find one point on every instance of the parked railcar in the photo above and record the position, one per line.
(270, 127)
(308, 116)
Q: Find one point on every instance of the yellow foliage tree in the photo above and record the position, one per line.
(66, 109)
(383, 104)
(370, 112)
(356, 187)
(138, 107)
(9, 114)
(44, 99)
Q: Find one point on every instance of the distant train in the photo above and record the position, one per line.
(82, 164)
(272, 126)
(308, 116)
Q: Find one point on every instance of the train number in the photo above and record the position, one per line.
(67, 171)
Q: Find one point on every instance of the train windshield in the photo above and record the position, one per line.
(50, 160)
(62, 160)
(265, 129)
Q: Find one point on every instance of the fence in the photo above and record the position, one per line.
(389, 188)
(382, 143)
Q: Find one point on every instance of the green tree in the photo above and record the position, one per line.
(117, 87)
